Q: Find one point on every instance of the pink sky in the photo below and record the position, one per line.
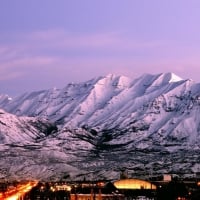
(50, 43)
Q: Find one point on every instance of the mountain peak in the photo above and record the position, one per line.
(115, 76)
(171, 77)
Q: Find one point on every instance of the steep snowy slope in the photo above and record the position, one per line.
(29, 149)
(76, 103)
(149, 125)
(22, 130)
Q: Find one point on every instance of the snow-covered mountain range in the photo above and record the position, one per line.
(148, 125)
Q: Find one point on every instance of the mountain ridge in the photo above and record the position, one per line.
(110, 84)
(152, 120)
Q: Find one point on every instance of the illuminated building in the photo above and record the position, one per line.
(132, 184)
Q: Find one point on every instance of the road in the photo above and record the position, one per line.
(18, 192)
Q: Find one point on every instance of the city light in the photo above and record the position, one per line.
(18, 191)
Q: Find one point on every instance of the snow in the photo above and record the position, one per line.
(140, 119)
(174, 78)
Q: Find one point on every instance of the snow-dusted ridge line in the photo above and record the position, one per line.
(87, 97)
(152, 120)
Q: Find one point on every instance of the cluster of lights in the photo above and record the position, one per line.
(15, 194)
(60, 187)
